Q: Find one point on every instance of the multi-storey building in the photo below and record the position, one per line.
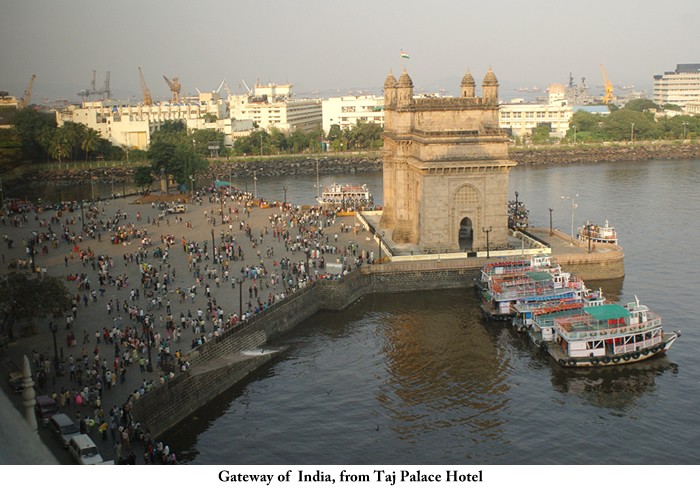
(522, 117)
(347, 111)
(272, 106)
(678, 87)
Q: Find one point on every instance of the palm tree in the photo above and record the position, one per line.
(72, 133)
(59, 146)
(91, 141)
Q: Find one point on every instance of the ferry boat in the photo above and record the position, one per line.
(345, 194)
(526, 313)
(604, 334)
(509, 267)
(597, 234)
(535, 286)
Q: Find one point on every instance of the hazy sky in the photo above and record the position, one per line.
(323, 45)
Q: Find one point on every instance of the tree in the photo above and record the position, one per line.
(672, 107)
(176, 159)
(540, 134)
(25, 299)
(28, 123)
(143, 178)
(640, 105)
(91, 140)
(619, 125)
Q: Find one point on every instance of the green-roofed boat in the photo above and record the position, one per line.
(602, 335)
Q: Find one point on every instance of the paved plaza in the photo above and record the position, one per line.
(264, 245)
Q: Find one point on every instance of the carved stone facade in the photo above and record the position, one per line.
(445, 167)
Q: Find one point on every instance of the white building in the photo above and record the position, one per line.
(347, 111)
(132, 125)
(678, 87)
(272, 106)
(522, 117)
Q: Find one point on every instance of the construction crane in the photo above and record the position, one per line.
(247, 87)
(103, 92)
(146, 93)
(24, 101)
(608, 88)
(225, 87)
(175, 89)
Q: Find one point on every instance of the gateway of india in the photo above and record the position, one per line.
(445, 168)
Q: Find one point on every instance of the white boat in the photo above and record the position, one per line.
(597, 233)
(605, 334)
(343, 194)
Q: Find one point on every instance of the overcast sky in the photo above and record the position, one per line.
(324, 45)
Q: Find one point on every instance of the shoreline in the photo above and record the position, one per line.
(330, 164)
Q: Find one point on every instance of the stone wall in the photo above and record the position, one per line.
(638, 152)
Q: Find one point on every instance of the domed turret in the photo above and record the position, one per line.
(404, 80)
(390, 80)
(404, 89)
(468, 85)
(490, 87)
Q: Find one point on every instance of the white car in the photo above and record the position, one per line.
(84, 450)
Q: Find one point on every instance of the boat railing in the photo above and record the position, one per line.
(636, 346)
(585, 327)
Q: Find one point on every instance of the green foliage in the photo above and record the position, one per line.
(26, 298)
(587, 127)
(640, 105)
(29, 123)
(619, 125)
(540, 134)
(672, 107)
(10, 148)
(143, 178)
(177, 159)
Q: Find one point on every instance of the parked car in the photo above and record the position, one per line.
(84, 450)
(63, 428)
(178, 208)
(45, 408)
(16, 381)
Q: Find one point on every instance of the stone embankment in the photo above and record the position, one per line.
(641, 152)
(278, 167)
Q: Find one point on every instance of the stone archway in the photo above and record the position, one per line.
(466, 235)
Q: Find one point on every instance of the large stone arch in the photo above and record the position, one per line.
(466, 216)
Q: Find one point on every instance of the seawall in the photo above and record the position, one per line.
(584, 154)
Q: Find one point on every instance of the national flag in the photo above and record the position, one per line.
(404, 55)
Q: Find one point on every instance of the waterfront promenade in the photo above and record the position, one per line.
(260, 248)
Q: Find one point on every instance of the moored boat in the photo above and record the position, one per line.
(597, 234)
(342, 194)
(605, 334)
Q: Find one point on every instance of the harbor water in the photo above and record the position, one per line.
(421, 378)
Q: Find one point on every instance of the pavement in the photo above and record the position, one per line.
(94, 316)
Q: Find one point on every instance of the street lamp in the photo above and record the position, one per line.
(54, 329)
(685, 125)
(213, 244)
(192, 185)
(550, 221)
(488, 249)
(632, 133)
(285, 193)
(381, 235)
(573, 206)
(240, 296)
(574, 126)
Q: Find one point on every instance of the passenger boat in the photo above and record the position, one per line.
(602, 334)
(535, 286)
(340, 194)
(597, 234)
(507, 267)
(526, 313)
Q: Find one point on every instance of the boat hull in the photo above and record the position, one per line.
(565, 360)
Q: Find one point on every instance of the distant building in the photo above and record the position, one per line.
(348, 110)
(522, 117)
(272, 106)
(122, 123)
(678, 87)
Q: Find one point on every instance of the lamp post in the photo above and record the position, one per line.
(192, 185)
(574, 126)
(54, 329)
(550, 221)
(240, 296)
(685, 126)
(488, 248)
(380, 235)
(285, 193)
(573, 206)
(92, 184)
(213, 244)
(632, 133)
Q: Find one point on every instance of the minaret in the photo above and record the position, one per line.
(404, 90)
(490, 88)
(390, 90)
(468, 86)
